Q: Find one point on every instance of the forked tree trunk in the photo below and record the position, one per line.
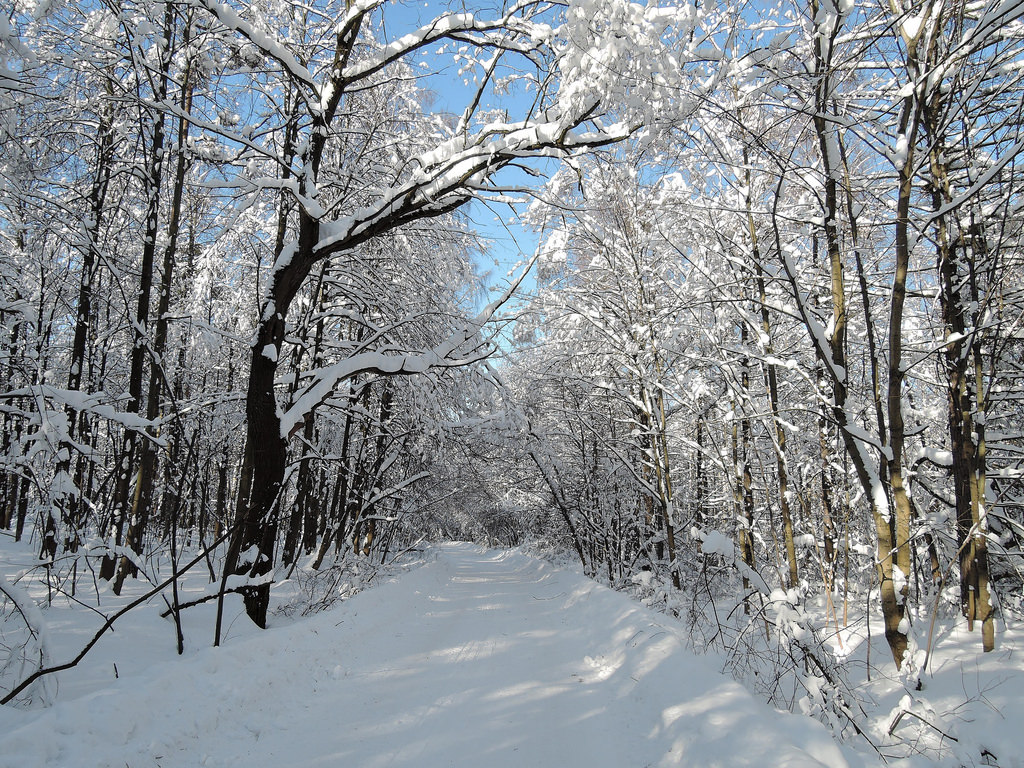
(251, 551)
(892, 519)
(957, 251)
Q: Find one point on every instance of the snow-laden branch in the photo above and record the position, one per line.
(462, 347)
(446, 174)
(270, 47)
(96, 403)
(493, 33)
(35, 650)
(510, 31)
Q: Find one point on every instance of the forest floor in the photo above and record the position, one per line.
(476, 658)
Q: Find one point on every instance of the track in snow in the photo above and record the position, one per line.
(480, 658)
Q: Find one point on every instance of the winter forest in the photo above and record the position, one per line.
(717, 304)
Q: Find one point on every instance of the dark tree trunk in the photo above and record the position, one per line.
(143, 496)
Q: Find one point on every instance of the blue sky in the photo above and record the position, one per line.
(510, 242)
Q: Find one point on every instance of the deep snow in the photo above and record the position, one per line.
(479, 658)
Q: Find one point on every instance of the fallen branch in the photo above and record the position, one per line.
(896, 722)
(201, 600)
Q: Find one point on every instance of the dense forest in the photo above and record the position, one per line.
(768, 350)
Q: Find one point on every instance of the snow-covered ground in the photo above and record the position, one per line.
(479, 658)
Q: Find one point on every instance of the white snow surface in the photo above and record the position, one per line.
(479, 658)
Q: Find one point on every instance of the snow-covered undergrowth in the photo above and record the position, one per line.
(827, 657)
(47, 617)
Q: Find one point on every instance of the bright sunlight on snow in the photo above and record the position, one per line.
(479, 658)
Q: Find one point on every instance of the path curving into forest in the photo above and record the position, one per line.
(479, 658)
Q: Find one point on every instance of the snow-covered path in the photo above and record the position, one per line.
(480, 658)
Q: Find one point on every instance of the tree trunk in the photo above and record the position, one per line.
(126, 501)
(78, 423)
(144, 492)
(957, 252)
(252, 547)
(895, 556)
(772, 387)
